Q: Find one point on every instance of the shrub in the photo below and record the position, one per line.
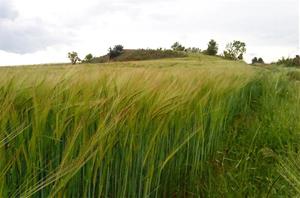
(73, 56)
(177, 47)
(289, 62)
(193, 50)
(88, 58)
(212, 48)
(235, 50)
(116, 51)
(297, 60)
(256, 60)
(261, 61)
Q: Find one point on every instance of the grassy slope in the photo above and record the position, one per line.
(194, 126)
(140, 54)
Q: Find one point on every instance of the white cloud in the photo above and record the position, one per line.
(269, 27)
(6, 10)
(28, 36)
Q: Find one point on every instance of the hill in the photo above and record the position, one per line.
(197, 126)
(140, 54)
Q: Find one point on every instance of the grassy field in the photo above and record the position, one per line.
(198, 126)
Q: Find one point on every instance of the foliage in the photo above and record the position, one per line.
(212, 48)
(88, 58)
(193, 50)
(261, 61)
(235, 50)
(73, 56)
(289, 62)
(177, 47)
(256, 60)
(116, 51)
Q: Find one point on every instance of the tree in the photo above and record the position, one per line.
(235, 50)
(296, 60)
(88, 58)
(261, 61)
(177, 47)
(254, 60)
(115, 52)
(212, 48)
(73, 56)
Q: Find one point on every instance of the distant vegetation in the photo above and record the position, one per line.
(135, 55)
(235, 50)
(178, 47)
(256, 60)
(212, 48)
(148, 54)
(289, 62)
(193, 50)
(115, 52)
(88, 58)
(73, 56)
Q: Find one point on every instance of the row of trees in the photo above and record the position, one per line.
(256, 60)
(233, 51)
(114, 52)
(74, 58)
(289, 62)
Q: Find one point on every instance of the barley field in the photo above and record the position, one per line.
(197, 126)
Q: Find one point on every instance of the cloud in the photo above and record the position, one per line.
(6, 10)
(31, 26)
(266, 22)
(27, 35)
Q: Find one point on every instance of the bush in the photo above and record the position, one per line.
(256, 60)
(229, 56)
(297, 60)
(212, 48)
(177, 47)
(193, 50)
(115, 52)
(289, 62)
(235, 50)
(88, 58)
(261, 61)
(73, 56)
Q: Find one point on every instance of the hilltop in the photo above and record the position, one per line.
(140, 54)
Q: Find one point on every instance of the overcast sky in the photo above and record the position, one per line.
(44, 31)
